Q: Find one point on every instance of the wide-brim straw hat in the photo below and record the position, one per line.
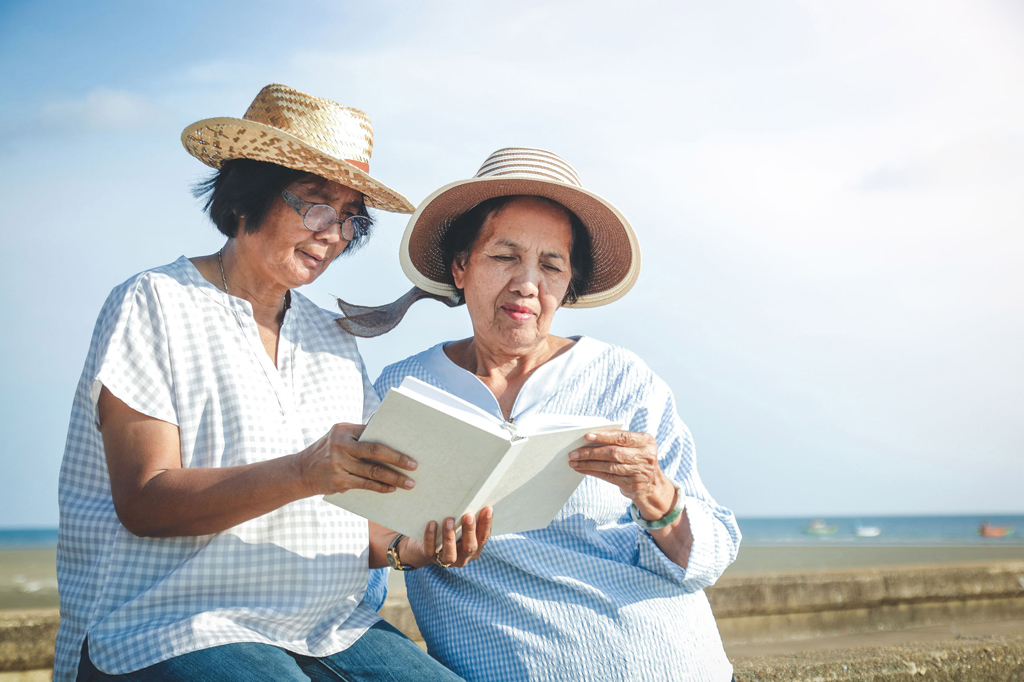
(524, 171)
(298, 131)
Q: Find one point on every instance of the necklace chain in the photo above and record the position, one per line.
(223, 278)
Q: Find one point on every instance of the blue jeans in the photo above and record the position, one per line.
(382, 653)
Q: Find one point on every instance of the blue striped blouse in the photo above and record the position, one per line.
(590, 597)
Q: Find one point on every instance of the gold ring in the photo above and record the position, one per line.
(437, 560)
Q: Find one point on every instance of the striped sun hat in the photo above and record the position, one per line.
(524, 171)
(298, 131)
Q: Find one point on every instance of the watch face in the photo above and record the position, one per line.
(393, 561)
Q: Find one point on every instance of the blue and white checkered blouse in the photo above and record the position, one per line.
(176, 348)
(590, 597)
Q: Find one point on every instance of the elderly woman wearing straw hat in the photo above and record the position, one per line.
(612, 589)
(216, 406)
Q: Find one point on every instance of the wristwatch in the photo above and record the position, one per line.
(395, 561)
(665, 520)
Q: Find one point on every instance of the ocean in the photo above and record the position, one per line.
(26, 538)
(894, 531)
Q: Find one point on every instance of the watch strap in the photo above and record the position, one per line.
(394, 559)
(665, 520)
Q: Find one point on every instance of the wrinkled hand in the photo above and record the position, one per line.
(475, 533)
(628, 460)
(339, 462)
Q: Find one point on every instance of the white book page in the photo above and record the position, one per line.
(451, 404)
(536, 486)
(454, 460)
(544, 423)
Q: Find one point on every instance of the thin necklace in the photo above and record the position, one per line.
(223, 279)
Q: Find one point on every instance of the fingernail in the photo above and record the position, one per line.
(574, 465)
(432, 526)
(488, 513)
(413, 464)
(575, 454)
(409, 483)
(449, 524)
(591, 436)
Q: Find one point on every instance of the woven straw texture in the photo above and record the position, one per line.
(296, 130)
(524, 171)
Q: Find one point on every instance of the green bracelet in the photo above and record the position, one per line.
(665, 520)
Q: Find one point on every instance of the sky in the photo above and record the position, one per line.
(826, 196)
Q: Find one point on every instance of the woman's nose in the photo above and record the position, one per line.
(332, 235)
(525, 283)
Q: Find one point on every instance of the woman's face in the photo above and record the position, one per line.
(283, 251)
(517, 275)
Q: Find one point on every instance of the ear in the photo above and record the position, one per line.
(459, 271)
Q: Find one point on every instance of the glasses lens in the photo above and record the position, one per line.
(355, 227)
(319, 218)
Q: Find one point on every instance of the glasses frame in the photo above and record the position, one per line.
(353, 228)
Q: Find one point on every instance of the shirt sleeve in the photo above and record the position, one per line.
(716, 535)
(132, 359)
(370, 400)
(377, 588)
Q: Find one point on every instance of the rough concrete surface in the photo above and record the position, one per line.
(26, 639)
(863, 588)
(775, 608)
(985, 659)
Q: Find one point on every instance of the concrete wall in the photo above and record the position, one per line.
(771, 608)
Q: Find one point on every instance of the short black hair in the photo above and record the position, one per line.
(245, 187)
(457, 241)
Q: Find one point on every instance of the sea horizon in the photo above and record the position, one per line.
(772, 531)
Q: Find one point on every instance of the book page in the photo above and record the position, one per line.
(454, 461)
(449, 402)
(538, 483)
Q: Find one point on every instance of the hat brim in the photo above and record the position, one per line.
(216, 140)
(616, 250)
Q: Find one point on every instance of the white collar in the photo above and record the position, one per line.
(540, 385)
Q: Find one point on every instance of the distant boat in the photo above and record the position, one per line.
(819, 527)
(987, 530)
(867, 531)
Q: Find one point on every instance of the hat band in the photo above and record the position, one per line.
(365, 167)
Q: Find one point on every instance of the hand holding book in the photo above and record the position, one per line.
(469, 459)
(339, 462)
(452, 549)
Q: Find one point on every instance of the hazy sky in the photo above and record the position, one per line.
(827, 196)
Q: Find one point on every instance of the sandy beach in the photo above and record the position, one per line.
(28, 577)
(755, 559)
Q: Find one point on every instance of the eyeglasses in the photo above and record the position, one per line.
(319, 217)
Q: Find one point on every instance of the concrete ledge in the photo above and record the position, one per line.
(782, 626)
(26, 639)
(988, 659)
(396, 610)
(863, 588)
(748, 609)
(792, 606)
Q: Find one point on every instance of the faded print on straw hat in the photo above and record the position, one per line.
(298, 131)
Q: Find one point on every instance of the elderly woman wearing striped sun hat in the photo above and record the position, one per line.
(216, 407)
(612, 589)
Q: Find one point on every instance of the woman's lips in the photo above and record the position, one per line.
(311, 259)
(517, 312)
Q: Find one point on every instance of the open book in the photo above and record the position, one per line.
(469, 459)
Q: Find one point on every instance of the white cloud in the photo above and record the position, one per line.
(101, 109)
